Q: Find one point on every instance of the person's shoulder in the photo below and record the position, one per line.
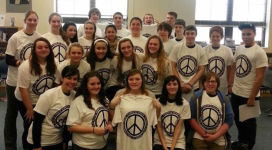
(46, 35)
(51, 93)
(81, 39)
(120, 92)
(25, 65)
(37, 34)
(143, 38)
(84, 63)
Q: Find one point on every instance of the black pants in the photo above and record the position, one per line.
(53, 147)
(159, 147)
(76, 147)
(111, 91)
(247, 129)
(22, 110)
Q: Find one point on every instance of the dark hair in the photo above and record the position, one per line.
(94, 10)
(61, 31)
(110, 26)
(132, 73)
(190, 28)
(180, 22)
(83, 89)
(164, 96)
(91, 56)
(148, 15)
(247, 25)
(136, 18)
(207, 76)
(35, 68)
(120, 58)
(118, 13)
(89, 22)
(166, 26)
(65, 27)
(172, 13)
(30, 12)
(216, 29)
(69, 71)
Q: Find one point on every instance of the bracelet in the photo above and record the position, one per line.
(190, 85)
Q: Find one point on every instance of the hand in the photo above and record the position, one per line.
(165, 148)
(156, 103)
(109, 127)
(156, 21)
(251, 102)
(209, 138)
(99, 131)
(37, 148)
(229, 90)
(186, 88)
(115, 101)
(29, 115)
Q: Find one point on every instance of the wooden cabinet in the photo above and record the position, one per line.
(9, 31)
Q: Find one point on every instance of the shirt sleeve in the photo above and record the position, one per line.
(203, 57)
(24, 76)
(153, 116)
(12, 46)
(261, 59)
(80, 31)
(173, 56)
(185, 111)
(230, 57)
(44, 104)
(75, 114)
(117, 116)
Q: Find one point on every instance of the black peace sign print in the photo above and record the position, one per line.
(243, 66)
(135, 124)
(187, 66)
(150, 74)
(210, 117)
(86, 49)
(26, 51)
(138, 49)
(60, 117)
(100, 118)
(169, 121)
(105, 74)
(42, 84)
(216, 64)
(147, 35)
(59, 50)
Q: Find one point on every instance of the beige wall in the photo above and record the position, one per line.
(43, 8)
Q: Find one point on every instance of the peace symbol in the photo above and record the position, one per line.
(135, 124)
(210, 117)
(60, 117)
(147, 35)
(105, 74)
(59, 50)
(26, 51)
(150, 74)
(42, 84)
(187, 65)
(86, 49)
(100, 118)
(217, 65)
(169, 121)
(138, 49)
(243, 66)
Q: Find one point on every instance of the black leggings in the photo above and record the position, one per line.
(76, 147)
(53, 147)
(159, 147)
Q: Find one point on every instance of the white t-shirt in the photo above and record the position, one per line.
(121, 92)
(134, 122)
(171, 114)
(81, 32)
(169, 45)
(152, 81)
(54, 105)
(123, 33)
(35, 84)
(218, 61)
(103, 68)
(59, 46)
(210, 119)
(188, 60)
(149, 30)
(80, 114)
(172, 34)
(86, 44)
(19, 46)
(181, 41)
(127, 66)
(138, 42)
(83, 68)
(247, 61)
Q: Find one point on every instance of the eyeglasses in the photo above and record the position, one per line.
(212, 82)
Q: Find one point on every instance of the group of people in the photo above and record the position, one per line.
(160, 92)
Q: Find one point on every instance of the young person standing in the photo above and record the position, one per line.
(71, 30)
(248, 69)
(118, 21)
(179, 30)
(171, 19)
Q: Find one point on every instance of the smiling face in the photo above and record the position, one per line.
(55, 23)
(89, 30)
(211, 85)
(69, 83)
(126, 49)
(163, 33)
(100, 50)
(153, 46)
(94, 86)
(248, 37)
(42, 49)
(94, 17)
(31, 22)
(118, 20)
(190, 36)
(135, 26)
(216, 38)
(172, 87)
(135, 82)
(71, 31)
(148, 19)
(170, 19)
(110, 33)
(179, 29)
(76, 54)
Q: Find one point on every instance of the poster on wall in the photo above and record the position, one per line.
(18, 6)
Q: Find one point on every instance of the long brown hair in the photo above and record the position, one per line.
(30, 12)
(61, 31)
(35, 68)
(132, 73)
(161, 57)
(120, 58)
